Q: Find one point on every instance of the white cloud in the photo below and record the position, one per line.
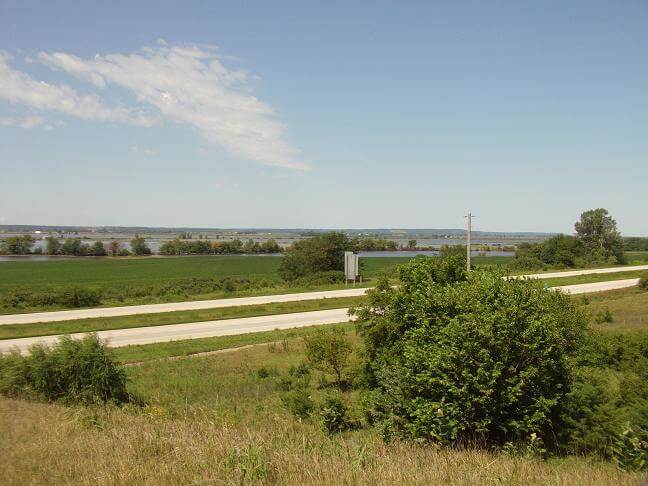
(30, 121)
(20, 88)
(190, 85)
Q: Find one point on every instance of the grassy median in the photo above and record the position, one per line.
(12, 331)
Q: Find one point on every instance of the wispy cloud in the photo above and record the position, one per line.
(20, 88)
(190, 85)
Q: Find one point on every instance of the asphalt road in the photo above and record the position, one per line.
(227, 327)
(239, 301)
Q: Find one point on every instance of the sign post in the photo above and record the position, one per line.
(351, 267)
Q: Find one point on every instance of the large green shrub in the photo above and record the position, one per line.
(333, 413)
(321, 253)
(458, 357)
(75, 371)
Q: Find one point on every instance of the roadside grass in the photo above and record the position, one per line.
(12, 331)
(629, 309)
(218, 419)
(188, 347)
(637, 257)
(592, 278)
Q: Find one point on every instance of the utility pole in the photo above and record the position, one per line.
(469, 240)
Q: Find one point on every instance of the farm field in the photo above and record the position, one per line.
(129, 281)
(221, 419)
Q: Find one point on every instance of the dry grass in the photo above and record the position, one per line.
(214, 420)
(629, 308)
(50, 444)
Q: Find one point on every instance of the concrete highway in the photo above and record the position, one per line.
(194, 330)
(590, 271)
(227, 327)
(132, 310)
(239, 301)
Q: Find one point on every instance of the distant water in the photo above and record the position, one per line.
(412, 254)
(363, 254)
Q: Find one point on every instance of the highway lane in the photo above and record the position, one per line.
(194, 330)
(57, 316)
(131, 310)
(598, 286)
(590, 271)
(228, 327)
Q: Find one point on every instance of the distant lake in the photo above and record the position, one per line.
(363, 254)
(412, 254)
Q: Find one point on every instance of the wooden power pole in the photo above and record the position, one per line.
(469, 240)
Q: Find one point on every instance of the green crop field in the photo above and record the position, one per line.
(27, 286)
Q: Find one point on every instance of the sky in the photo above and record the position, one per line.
(336, 114)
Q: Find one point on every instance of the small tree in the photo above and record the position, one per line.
(97, 249)
(598, 232)
(139, 246)
(19, 245)
(328, 350)
(113, 248)
(52, 245)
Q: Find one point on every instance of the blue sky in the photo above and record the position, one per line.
(324, 114)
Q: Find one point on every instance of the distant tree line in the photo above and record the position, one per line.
(205, 247)
(597, 241)
(23, 245)
(635, 243)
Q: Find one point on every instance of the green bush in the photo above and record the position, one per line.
(333, 413)
(299, 402)
(74, 371)
(643, 281)
(73, 297)
(457, 357)
(321, 253)
(630, 449)
(319, 278)
(80, 297)
(328, 350)
(604, 317)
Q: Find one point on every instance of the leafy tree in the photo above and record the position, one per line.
(320, 253)
(139, 246)
(251, 246)
(456, 357)
(411, 244)
(72, 246)
(270, 246)
(97, 249)
(113, 248)
(598, 233)
(53, 246)
(328, 350)
(19, 245)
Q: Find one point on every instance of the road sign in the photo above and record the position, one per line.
(351, 267)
